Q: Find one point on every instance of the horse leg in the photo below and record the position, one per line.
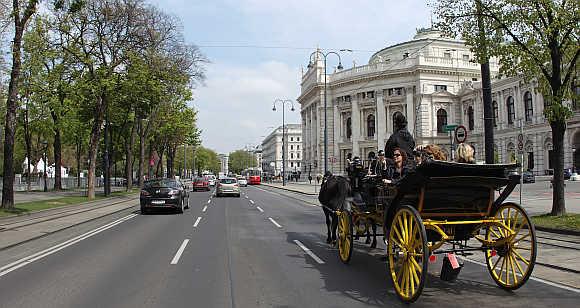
(334, 227)
(368, 232)
(328, 223)
(374, 244)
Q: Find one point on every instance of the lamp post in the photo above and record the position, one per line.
(310, 65)
(283, 102)
(45, 146)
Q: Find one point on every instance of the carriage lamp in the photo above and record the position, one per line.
(432, 258)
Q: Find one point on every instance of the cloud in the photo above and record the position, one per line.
(235, 105)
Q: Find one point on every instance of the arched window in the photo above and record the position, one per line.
(371, 125)
(394, 116)
(348, 128)
(495, 113)
(471, 120)
(441, 120)
(511, 110)
(528, 106)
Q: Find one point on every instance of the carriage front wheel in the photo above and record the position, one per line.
(408, 253)
(345, 238)
(511, 261)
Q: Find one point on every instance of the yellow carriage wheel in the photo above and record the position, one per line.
(408, 253)
(512, 261)
(345, 238)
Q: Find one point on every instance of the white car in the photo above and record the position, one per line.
(211, 179)
(242, 182)
(575, 177)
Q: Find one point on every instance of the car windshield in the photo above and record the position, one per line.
(162, 183)
(228, 181)
(200, 179)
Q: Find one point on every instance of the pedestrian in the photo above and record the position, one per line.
(401, 138)
(310, 178)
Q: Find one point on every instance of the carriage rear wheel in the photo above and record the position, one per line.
(408, 253)
(512, 262)
(345, 238)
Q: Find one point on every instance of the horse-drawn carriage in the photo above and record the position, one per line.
(443, 203)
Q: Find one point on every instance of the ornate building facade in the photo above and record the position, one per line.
(433, 81)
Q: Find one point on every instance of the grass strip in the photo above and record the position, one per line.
(566, 222)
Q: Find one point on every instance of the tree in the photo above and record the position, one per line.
(20, 19)
(239, 160)
(535, 39)
(206, 159)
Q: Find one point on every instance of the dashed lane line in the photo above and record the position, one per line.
(309, 252)
(274, 222)
(252, 201)
(209, 201)
(197, 222)
(179, 252)
(260, 209)
(46, 252)
(204, 208)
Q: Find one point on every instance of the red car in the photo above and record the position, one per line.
(200, 184)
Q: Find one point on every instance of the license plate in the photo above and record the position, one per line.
(158, 202)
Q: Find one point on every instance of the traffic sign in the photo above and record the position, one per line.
(521, 138)
(460, 134)
(520, 143)
(449, 127)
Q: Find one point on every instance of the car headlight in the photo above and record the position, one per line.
(173, 192)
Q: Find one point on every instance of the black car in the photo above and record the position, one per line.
(166, 194)
(567, 174)
(528, 177)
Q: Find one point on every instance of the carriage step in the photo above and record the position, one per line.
(450, 268)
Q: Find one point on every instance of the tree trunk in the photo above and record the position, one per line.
(141, 170)
(558, 200)
(170, 159)
(57, 153)
(28, 141)
(93, 146)
(129, 158)
(160, 164)
(78, 156)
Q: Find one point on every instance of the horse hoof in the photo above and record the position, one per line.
(328, 241)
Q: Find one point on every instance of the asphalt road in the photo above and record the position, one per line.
(241, 253)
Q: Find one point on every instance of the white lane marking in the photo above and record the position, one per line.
(260, 209)
(209, 201)
(252, 201)
(204, 208)
(246, 196)
(179, 251)
(46, 252)
(550, 283)
(309, 252)
(274, 222)
(197, 222)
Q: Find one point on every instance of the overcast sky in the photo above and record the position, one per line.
(235, 105)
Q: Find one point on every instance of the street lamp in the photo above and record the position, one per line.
(45, 146)
(311, 65)
(283, 102)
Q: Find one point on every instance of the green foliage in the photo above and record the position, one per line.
(239, 160)
(206, 159)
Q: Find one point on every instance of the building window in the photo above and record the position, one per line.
(441, 120)
(347, 98)
(371, 94)
(298, 163)
(495, 113)
(528, 106)
(291, 138)
(348, 128)
(465, 57)
(291, 147)
(394, 116)
(470, 117)
(297, 147)
(291, 155)
(291, 164)
(440, 87)
(371, 125)
(511, 110)
(447, 55)
(297, 138)
(298, 156)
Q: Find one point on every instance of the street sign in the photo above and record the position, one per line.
(449, 127)
(460, 134)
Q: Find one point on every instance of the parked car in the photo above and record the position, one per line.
(242, 181)
(200, 183)
(575, 177)
(227, 186)
(528, 177)
(567, 174)
(166, 194)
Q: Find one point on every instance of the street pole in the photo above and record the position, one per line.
(283, 102)
(184, 161)
(521, 161)
(486, 90)
(45, 163)
(107, 188)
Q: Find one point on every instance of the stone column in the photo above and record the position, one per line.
(355, 122)
(410, 110)
(335, 134)
(381, 130)
(388, 119)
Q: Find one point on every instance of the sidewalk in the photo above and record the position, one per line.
(15, 230)
(299, 187)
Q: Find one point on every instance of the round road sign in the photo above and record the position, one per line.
(460, 134)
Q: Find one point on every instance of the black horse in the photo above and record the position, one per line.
(333, 193)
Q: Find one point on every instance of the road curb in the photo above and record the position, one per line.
(558, 231)
(292, 190)
(65, 228)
